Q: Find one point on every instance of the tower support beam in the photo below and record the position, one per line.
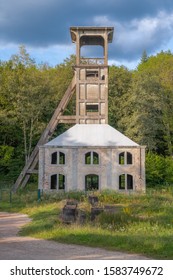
(32, 162)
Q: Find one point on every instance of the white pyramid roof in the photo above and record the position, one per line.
(91, 135)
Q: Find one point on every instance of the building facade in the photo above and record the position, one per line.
(92, 157)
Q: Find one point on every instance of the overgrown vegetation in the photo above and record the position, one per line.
(143, 226)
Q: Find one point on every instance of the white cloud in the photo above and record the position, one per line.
(138, 34)
(139, 25)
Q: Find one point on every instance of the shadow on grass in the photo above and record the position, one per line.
(162, 249)
(159, 247)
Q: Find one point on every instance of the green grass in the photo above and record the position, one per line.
(145, 226)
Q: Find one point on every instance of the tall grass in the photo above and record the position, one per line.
(145, 224)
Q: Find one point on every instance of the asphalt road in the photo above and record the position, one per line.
(15, 247)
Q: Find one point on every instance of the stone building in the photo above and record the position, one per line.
(91, 154)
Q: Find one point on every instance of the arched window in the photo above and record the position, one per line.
(53, 182)
(58, 158)
(88, 158)
(122, 182)
(91, 158)
(129, 182)
(91, 182)
(61, 158)
(57, 181)
(54, 158)
(121, 158)
(61, 182)
(95, 158)
(129, 158)
(125, 182)
(125, 158)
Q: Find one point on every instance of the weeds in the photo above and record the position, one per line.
(143, 225)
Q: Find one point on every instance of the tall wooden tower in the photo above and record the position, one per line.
(91, 74)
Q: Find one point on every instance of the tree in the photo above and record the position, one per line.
(142, 112)
(29, 94)
(144, 57)
(25, 89)
(159, 170)
(120, 79)
(161, 66)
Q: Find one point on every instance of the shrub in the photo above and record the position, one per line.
(159, 170)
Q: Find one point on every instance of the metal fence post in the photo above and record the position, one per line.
(39, 194)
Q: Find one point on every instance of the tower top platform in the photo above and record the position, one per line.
(91, 31)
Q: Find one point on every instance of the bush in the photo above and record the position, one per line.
(159, 170)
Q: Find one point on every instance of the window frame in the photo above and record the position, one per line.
(59, 155)
(92, 154)
(125, 158)
(54, 158)
(92, 108)
(91, 176)
(92, 74)
(57, 179)
(53, 177)
(128, 182)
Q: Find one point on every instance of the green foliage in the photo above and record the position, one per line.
(141, 102)
(144, 57)
(29, 94)
(6, 153)
(120, 79)
(159, 170)
(160, 67)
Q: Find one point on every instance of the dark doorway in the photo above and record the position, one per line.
(91, 182)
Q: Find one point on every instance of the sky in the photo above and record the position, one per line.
(43, 27)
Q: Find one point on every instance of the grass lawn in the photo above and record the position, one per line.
(145, 225)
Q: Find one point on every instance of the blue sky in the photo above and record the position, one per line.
(43, 27)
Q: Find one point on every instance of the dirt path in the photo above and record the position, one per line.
(14, 247)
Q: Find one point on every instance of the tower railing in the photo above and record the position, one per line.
(92, 61)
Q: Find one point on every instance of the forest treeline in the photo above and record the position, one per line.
(140, 106)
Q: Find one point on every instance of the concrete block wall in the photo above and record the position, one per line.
(108, 168)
